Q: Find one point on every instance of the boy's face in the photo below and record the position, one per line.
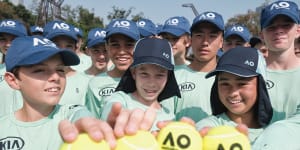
(179, 44)
(150, 81)
(263, 49)
(5, 41)
(207, 39)
(41, 84)
(64, 42)
(297, 47)
(280, 34)
(99, 56)
(234, 41)
(238, 94)
(120, 51)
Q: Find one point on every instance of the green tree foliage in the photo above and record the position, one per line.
(118, 13)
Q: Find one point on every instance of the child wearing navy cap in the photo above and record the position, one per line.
(239, 94)
(236, 35)
(63, 35)
(9, 30)
(149, 80)
(176, 31)
(97, 51)
(121, 36)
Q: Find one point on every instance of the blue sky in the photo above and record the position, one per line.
(160, 10)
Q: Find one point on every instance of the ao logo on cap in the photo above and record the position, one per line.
(122, 24)
(61, 26)
(100, 34)
(8, 23)
(280, 5)
(43, 42)
(141, 24)
(208, 15)
(237, 29)
(249, 63)
(174, 21)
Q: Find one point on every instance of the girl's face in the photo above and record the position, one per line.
(120, 51)
(150, 81)
(238, 94)
(42, 84)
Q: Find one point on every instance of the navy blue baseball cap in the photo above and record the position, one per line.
(123, 26)
(287, 8)
(78, 31)
(177, 26)
(152, 51)
(58, 28)
(211, 17)
(146, 27)
(96, 36)
(238, 30)
(36, 29)
(13, 27)
(30, 50)
(241, 61)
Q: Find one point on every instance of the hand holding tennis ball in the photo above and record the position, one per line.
(83, 142)
(225, 138)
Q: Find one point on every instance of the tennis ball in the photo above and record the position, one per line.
(225, 138)
(142, 140)
(83, 142)
(179, 136)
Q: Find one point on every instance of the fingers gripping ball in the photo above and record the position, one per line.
(83, 142)
(225, 138)
(179, 136)
(142, 140)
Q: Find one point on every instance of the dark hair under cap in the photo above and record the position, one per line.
(262, 107)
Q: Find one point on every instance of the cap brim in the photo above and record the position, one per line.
(237, 34)
(13, 32)
(209, 21)
(272, 16)
(95, 42)
(152, 60)
(173, 31)
(146, 33)
(68, 57)
(124, 32)
(232, 70)
(53, 35)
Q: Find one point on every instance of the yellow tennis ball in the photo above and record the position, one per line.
(225, 138)
(179, 136)
(142, 140)
(84, 142)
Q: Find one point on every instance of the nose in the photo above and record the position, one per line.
(54, 77)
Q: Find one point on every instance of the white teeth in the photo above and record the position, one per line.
(122, 59)
(52, 89)
(235, 101)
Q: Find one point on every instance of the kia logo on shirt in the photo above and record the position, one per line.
(107, 91)
(187, 86)
(11, 143)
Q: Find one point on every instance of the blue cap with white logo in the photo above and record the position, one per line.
(78, 31)
(96, 36)
(13, 27)
(287, 8)
(177, 26)
(146, 27)
(31, 50)
(58, 28)
(238, 30)
(211, 17)
(36, 29)
(247, 62)
(123, 26)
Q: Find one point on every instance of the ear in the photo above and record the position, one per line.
(298, 31)
(11, 80)
(132, 71)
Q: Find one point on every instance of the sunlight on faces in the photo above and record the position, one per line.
(43, 83)
(280, 34)
(120, 51)
(99, 56)
(150, 80)
(5, 41)
(64, 42)
(232, 42)
(238, 94)
(207, 39)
